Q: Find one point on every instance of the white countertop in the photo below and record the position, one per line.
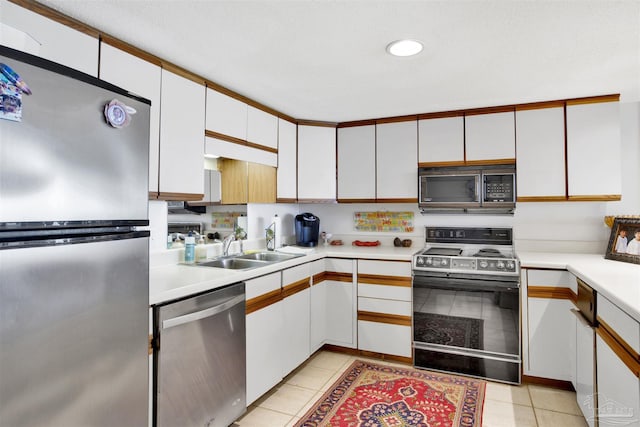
(175, 281)
(617, 281)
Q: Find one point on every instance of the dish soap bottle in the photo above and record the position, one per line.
(190, 249)
(201, 250)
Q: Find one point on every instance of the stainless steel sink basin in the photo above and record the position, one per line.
(247, 261)
(268, 256)
(233, 263)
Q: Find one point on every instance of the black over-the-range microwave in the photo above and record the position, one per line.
(467, 189)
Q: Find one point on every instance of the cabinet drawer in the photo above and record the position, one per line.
(375, 305)
(551, 278)
(385, 268)
(399, 293)
(263, 285)
(384, 338)
(620, 322)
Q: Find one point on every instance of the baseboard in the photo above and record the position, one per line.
(548, 382)
(370, 354)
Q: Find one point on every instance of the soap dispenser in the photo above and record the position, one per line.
(190, 248)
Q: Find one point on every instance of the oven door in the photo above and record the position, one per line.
(467, 324)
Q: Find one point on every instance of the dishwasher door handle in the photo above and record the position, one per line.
(198, 315)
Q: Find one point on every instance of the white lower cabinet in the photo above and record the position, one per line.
(618, 389)
(296, 329)
(318, 307)
(264, 332)
(384, 307)
(585, 369)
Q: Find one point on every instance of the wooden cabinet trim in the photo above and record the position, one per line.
(441, 115)
(596, 198)
(317, 201)
(551, 292)
(357, 200)
(391, 319)
(397, 119)
(334, 276)
(488, 162)
(262, 301)
(619, 346)
(286, 200)
(406, 200)
(541, 199)
(180, 196)
(376, 279)
(316, 123)
(540, 105)
(58, 17)
(295, 287)
(357, 123)
(594, 99)
(239, 141)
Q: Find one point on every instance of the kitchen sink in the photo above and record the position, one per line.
(233, 263)
(268, 256)
(247, 261)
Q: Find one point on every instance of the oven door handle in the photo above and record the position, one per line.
(452, 283)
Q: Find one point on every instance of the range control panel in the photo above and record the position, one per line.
(471, 264)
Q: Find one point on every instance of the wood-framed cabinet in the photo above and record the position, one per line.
(441, 139)
(287, 180)
(569, 150)
(396, 162)
(143, 78)
(384, 308)
(490, 135)
(246, 182)
(357, 164)
(316, 163)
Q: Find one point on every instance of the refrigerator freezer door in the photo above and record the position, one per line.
(74, 327)
(62, 161)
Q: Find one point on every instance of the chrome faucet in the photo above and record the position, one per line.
(226, 243)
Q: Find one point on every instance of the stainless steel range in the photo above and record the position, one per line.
(466, 303)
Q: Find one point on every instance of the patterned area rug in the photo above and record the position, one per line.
(447, 330)
(372, 395)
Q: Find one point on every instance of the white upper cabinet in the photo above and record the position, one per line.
(226, 115)
(316, 163)
(181, 138)
(28, 31)
(397, 161)
(230, 150)
(262, 128)
(594, 165)
(541, 155)
(142, 78)
(441, 140)
(357, 163)
(490, 136)
(287, 161)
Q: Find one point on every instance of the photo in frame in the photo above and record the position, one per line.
(624, 242)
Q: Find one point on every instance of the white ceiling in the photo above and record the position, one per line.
(326, 60)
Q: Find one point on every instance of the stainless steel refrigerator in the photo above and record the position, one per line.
(74, 254)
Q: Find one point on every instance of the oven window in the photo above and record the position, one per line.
(485, 320)
(449, 188)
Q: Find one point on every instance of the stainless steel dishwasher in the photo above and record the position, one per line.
(199, 362)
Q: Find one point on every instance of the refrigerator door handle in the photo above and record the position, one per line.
(198, 315)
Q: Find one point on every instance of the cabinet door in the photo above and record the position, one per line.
(181, 138)
(231, 150)
(261, 183)
(263, 336)
(296, 291)
(142, 78)
(44, 37)
(384, 338)
(262, 128)
(541, 154)
(341, 315)
(357, 163)
(316, 163)
(441, 140)
(585, 372)
(618, 388)
(548, 330)
(226, 115)
(490, 137)
(397, 162)
(594, 164)
(212, 190)
(287, 162)
(234, 185)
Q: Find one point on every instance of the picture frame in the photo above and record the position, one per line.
(624, 242)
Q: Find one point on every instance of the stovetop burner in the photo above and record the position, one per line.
(443, 251)
(468, 251)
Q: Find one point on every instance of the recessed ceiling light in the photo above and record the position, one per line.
(405, 47)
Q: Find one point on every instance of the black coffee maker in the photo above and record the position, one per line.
(307, 229)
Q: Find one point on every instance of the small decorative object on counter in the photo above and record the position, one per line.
(361, 243)
(326, 237)
(270, 237)
(406, 243)
(397, 242)
(336, 242)
(190, 249)
(169, 241)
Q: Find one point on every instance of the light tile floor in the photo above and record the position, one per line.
(504, 405)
